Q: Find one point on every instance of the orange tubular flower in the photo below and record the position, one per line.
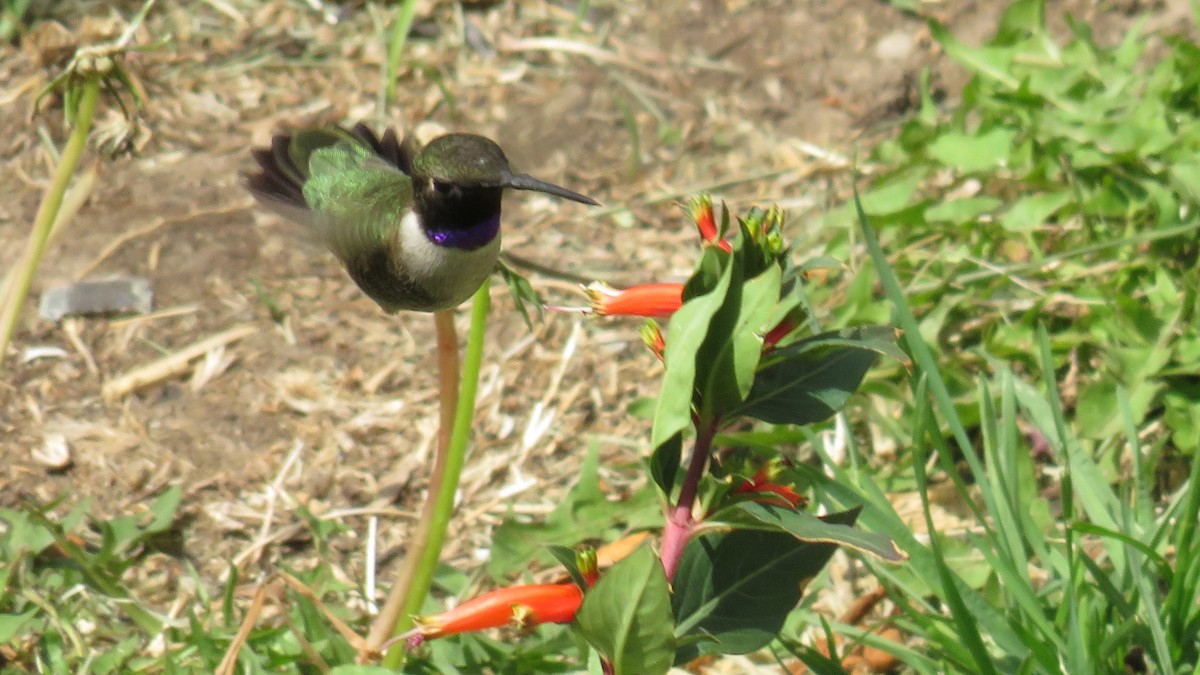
(779, 495)
(701, 211)
(650, 300)
(521, 606)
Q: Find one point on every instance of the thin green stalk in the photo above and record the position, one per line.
(399, 37)
(456, 456)
(10, 306)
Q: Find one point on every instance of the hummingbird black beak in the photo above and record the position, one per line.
(521, 181)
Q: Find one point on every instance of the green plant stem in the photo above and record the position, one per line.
(399, 37)
(443, 485)
(680, 521)
(10, 306)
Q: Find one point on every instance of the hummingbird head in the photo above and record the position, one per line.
(460, 168)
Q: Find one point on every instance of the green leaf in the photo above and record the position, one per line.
(664, 464)
(627, 616)
(522, 292)
(991, 62)
(878, 339)
(163, 509)
(362, 670)
(10, 624)
(23, 534)
(1031, 212)
(807, 527)
(971, 153)
(569, 560)
(734, 344)
(1021, 18)
(811, 380)
(736, 589)
(688, 328)
(961, 210)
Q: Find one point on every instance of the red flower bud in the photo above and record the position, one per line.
(653, 338)
(780, 331)
(779, 495)
(701, 211)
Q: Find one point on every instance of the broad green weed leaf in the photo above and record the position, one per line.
(1032, 211)
(10, 624)
(961, 210)
(972, 153)
(994, 63)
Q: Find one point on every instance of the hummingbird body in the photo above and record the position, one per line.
(416, 228)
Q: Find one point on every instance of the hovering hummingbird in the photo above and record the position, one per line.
(418, 228)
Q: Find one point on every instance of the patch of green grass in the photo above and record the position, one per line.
(1064, 190)
(1039, 244)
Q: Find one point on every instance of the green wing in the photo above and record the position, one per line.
(349, 187)
(357, 199)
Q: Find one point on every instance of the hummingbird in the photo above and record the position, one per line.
(417, 228)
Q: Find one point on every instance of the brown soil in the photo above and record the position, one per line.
(717, 91)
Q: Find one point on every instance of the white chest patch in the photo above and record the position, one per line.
(450, 274)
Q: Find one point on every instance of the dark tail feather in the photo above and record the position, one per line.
(390, 148)
(278, 182)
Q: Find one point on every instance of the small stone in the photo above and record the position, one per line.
(897, 45)
(54, 453)
(124, 294)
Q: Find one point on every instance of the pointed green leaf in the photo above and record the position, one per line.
(736, 589)
(688, 329)
(973, 152)
(163, 509)
(664, 464)
(991, 62)
(10, 624)
(808, 387)
(570, 560)
(736, 343)
(879, 339)
(1032, 211)
(523, 294)
(627, 616)
(807, 527)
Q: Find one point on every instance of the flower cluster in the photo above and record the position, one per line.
(661, 300)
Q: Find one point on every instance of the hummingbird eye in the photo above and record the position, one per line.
(442, 187)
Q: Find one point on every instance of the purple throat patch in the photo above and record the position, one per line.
(467, 238)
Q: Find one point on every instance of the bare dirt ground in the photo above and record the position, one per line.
(635, 104)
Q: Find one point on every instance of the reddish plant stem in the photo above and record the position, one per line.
(680, 521)
(392, 614)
